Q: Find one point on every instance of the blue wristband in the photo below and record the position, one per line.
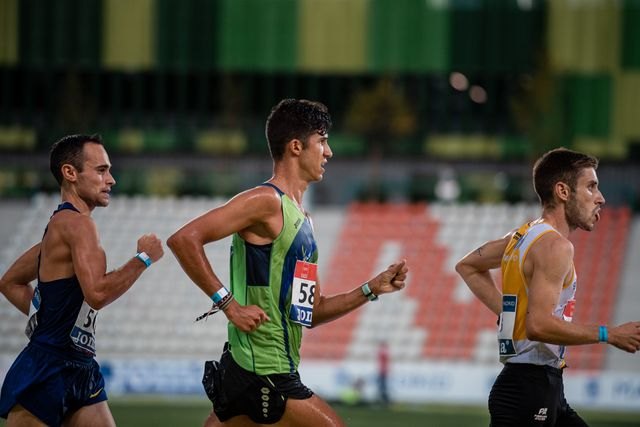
(368, 293)
(218, 296)
(603, 334)
(142, 256)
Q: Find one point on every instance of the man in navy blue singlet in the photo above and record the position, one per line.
(55, 380)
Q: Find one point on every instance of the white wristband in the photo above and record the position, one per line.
(142, 256)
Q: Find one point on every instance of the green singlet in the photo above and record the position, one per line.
(263, 275)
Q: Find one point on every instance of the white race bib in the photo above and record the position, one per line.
(302, 292)
(83, 332)
(507, 324)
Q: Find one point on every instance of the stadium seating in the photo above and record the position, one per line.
(436, 317)
(156, 316)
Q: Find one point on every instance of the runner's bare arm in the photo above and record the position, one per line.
(328, 308)
(15, 283)
(475, 269)
(254, 214)
(90, 262)
(551, 259)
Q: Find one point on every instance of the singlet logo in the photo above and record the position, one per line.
(511, 258)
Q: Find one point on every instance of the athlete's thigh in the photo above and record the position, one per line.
(312, 412)
(20, 417)
(96, 415)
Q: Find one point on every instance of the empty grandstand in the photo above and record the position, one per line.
(434, 320)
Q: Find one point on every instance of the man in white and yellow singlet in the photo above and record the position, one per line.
(536, 302)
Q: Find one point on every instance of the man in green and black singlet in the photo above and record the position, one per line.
(274, 289)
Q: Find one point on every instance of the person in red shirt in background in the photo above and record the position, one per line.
(383, 372)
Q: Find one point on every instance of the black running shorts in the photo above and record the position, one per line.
(235, 391)
(530, 395)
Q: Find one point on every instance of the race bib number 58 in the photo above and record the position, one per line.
(302, 292)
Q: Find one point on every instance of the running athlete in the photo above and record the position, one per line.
(536, 303)
(274, 288)
(56, 380)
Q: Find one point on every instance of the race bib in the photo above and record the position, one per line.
(507, 324)
(302, 293)
(32, 323)
(83, 332)
(567, 313)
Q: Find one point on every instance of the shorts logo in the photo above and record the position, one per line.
(541, 415)
(265, 401)
(91, 396)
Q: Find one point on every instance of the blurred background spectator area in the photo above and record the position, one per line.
(471, 81)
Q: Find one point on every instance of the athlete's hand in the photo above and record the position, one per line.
(626, 336)
(150, 244)
(246, 318)
(390, 280)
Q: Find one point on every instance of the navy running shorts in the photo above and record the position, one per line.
(50, 384)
